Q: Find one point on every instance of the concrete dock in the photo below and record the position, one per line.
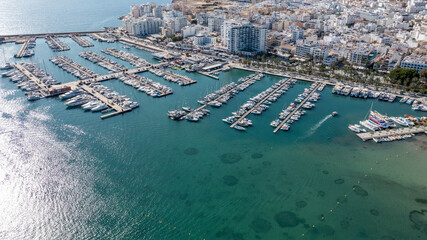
(260, 102)
(137, 78)
(392, 132)
(208, 74)
(103, 61)
(296, 108)
(23, 49)
(83, 72)
(128, 57)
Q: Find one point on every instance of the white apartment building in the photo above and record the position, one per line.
(416, 63)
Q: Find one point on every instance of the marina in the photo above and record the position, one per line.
(257, 103)
(128, 57)
(74, 68)
(294, 110)
(56, 45)
(103, 61)
(215, 99)
(172, 76)
(26, 49)
(81, 41)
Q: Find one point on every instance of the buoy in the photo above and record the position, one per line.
(174, 227)
(366, 175)
(189, 233)
(377, 162)
(323, 218)
(302, 234)
(372, 169)
(160, 221)
(386, 159)
(330, 210)
(314, 226)
(345, 195)
(358, 182)
(338, 202)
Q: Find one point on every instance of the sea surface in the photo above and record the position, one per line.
(67, 174)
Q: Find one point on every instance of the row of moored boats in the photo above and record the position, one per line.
(173, 77)
(129, 57)
(258, 104)
(79, 97)
(74, 68)
(215, 99)
(31, 88)
(102, 61)
(146, 85)
(357, 92)
(377, 121)
(294, 112)
(56, 45)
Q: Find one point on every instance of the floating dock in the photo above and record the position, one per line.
(296, 108)
(81, 41)
(260, 102)
(44, 89)
(393, 132)
(208, 74)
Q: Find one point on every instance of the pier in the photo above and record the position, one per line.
(208, 74)
(128, 57)
(101, 38)
(150, 84)
(117, 108)
(220, 96)
(19, 37)
(24, 49)
(103, 61)
(74, 68)
(260, 102)
(393, 132)
(44, 89)
(173, 77)
(56, 44)
(296, 108)
(81, 41)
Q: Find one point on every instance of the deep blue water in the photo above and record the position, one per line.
(67, 174)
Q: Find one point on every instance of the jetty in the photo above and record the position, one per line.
(173, 77)
(208, 74)
(392, 132)
(296, 108)
(81, 41)
(260, 102)
(103, 61)
(56, 44)
(19, 37)
(44, 89)
(74, 68)
(150, 84)
(128, 57)
(117, 108)
(22, 52)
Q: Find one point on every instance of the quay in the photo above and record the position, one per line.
(118, 109)
(81, 41)
(296, 108)
(393, 132)
(260, 102)
(19, 37)
(220, 96)
(142, 44)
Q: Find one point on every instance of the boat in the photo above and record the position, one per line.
(99, 107)
(7, 66)
(240, 128)
(334, 114)
(275, 123)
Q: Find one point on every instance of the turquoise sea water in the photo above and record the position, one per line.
(67, 174)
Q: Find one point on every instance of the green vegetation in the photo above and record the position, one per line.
(176, 38)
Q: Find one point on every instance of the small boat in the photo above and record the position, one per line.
(334, 114)
(240, 128)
